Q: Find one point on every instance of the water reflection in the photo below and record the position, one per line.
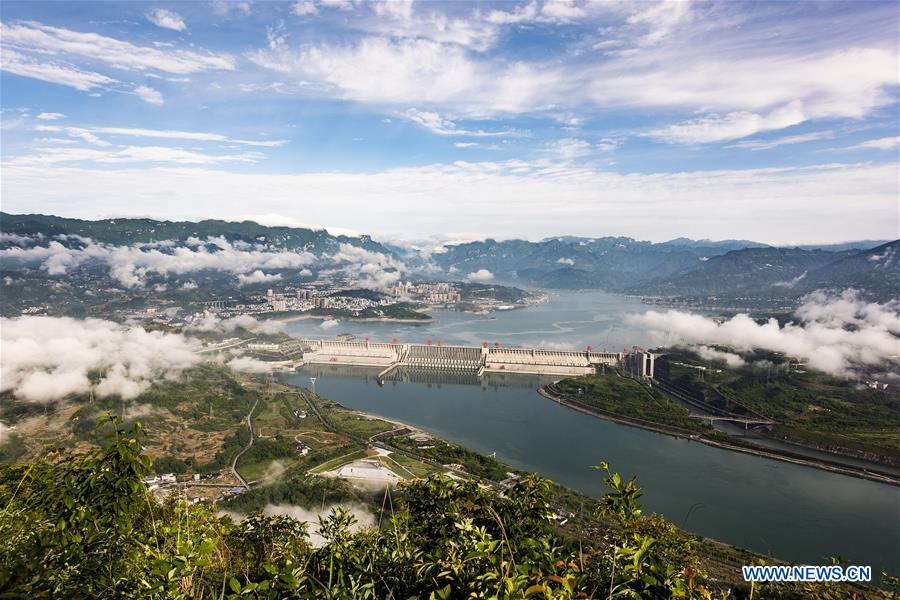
(793, 512)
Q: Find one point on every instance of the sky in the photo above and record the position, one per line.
(772, 121)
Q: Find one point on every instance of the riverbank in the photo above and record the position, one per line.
(785, 456)
(721, 560)
(287, 318)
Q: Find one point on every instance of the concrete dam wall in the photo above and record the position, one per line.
(468, 359)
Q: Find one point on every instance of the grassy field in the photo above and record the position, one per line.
(352, 423)
(475, 464)
(339, 461)
(407, 467)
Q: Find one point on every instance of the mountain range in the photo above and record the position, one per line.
(684, 269)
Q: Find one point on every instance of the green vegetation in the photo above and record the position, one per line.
(208, 395)
(11, 448)
(399, 310)
(445, 453)
(338, 461)
(500, 293)
(232, 445)
(85, 526)
(406, 466)
(618, 394)
(257, 460)
(353, 423)
(131, 231)
(170, 464)
(823, 411)
(809, 407)
(298, 490)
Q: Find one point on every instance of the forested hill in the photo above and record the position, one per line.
(787, 273)
(86, 526)
(129, 231)
(683, 267)
(703, 270)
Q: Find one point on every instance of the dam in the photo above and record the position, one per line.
(470, 359)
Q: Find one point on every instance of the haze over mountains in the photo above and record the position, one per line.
(701, 270)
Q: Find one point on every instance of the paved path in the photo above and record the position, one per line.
(241, 453)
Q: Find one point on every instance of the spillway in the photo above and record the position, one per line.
(465, 359)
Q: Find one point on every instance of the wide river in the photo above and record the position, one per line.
(789, 511)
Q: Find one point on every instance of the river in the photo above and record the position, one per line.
(569, 321)
(772, 507)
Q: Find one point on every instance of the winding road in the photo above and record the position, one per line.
(241, 453)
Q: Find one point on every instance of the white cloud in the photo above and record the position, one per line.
(149, 95)
(75, 132)
(399, 19)
(660, 18)
(837, 334)
(257, 276)
(566, 261)
(737, 92)
(783, 141)
(763, 92)
(210, 323)
(363, 517)
(789, 284)
(563, 10)
(549, 11)
(15, 239)
(712, 354)
(43, 39)
(198, 136)
(247, 364)
(276, 220)
(130, 265)
(50, 116)
(517, 198)
(338, 4)
(49, 358)
(433, 122)
(396, 9)
(521, 14)
(569, 148)
(166, 19)
(716, 128)
(225, 8)
(304, 8)
(370, 269)
(131, 154)
(885, 143)
(480, 276)
(18, 64)
(414, 71)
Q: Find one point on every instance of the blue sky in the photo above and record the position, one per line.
(774, 121)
